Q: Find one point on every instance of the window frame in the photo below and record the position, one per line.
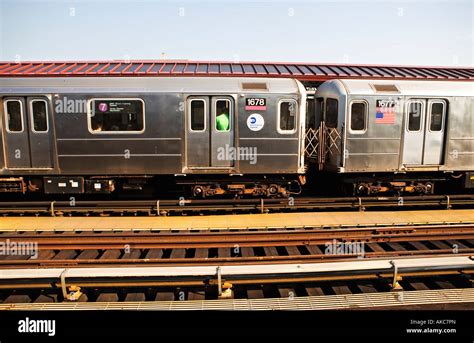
(326, 101)
(443, 119)
(407, 125)
(204, 115)
(32, 118)
(5, 110)
(89, 117)
(366, 113)
(287, 132)
(231, 114)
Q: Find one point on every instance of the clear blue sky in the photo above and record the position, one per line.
(385, 32)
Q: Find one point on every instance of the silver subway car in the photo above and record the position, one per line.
(94, 134)
(403, 135)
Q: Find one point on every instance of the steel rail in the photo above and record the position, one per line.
(247, 238)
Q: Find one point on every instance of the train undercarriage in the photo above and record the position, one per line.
(192, 187)
(414, 183)
(273, 186)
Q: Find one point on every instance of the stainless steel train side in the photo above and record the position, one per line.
(162, 126)
(397, 127)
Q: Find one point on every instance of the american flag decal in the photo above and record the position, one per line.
(385, 112)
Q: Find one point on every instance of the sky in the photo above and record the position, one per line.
(416, 32)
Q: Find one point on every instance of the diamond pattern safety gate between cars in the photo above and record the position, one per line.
(322, 144)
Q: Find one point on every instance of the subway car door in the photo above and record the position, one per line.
(39, 117)
(414, 127)
(27, 133)
(424, 132)
(210, 132)
(16, 133)
(434, 132)
(222, 132)
(197, 133)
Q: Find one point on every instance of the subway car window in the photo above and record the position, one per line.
(436, 120)
(287, 115)
(14, 117)
(310, 115)
(414, 116)
(331, 113)
(197, 115)
(319, 110)
(222, 115)
(358, 116)
(116, 115)
(40, 115)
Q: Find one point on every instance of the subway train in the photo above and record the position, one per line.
(235, 136)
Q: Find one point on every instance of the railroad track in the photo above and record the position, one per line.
(449, 292)
(201, 247)
(225, 206)
(237, 282)
(114, 266)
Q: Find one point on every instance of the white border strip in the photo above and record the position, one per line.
(411, 264)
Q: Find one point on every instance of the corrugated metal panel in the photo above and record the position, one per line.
(302, 71)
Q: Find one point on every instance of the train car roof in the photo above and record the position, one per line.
(412, 88)
(215, 85)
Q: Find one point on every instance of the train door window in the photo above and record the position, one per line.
(310, 114)
(414, 116)
(287, 117)
(39, 115)
(358, 116)
(436, 116)
(223, 115)
(331, 113)
(319, 109)
(116, 116)
(14, 115)
(198, 110)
